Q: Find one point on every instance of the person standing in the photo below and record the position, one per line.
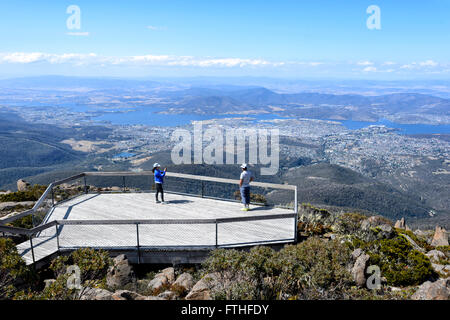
(159, 181)
(244, 184)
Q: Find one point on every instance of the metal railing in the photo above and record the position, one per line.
(137, 224)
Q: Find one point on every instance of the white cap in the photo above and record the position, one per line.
(156, 165)
(244, 166)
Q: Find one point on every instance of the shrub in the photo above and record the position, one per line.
(313, 269)
(13, 269)
(399, 263)
(32, 194)
(349, 223)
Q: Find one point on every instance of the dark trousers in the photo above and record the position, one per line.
(159, 188)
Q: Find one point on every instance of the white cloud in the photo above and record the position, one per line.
(156, 28)
(428, 63)
(160, 60)
(370, 69)
(364, 63)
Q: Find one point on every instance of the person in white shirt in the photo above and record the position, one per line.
(244, 184)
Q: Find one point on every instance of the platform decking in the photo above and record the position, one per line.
(142, 206)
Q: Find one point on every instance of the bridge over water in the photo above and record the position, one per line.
(183, 230)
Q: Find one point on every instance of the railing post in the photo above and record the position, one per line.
(123, 184)
(85, 185)
(32, 250)
(203, 189)
(138, 245)
(53, 198)
(296, 215)
(57, 236)
(217, 234)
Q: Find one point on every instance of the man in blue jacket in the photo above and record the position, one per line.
(159, 180)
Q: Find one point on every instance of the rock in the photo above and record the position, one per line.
(413, 243)
(185, 282)
(158, 283)
(120, 274)
(8, 206)
(438, 290)
(95, 294)
(444, 269)
(359, 270)
(49, 282)
(116, 189)
(435, 255)
(400, 224)
(163, 279)
(420, 233)
(127, 295)
(170, 274)
(440, 237)
(167, 295)
(202, 290)
(22, 185)
(356, 253)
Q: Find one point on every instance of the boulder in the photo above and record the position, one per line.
(8, 206)
(440, 237)
(443, 269)
(167, 295)
(184, 282)
(163, 279)
(22, 185)
(202, 289)
(158, 283)
(120, 273)
(400, 224)
(413, 243)
(438, 290)
(359, 269)
(95, 294)
(127, 295)
(435, 255)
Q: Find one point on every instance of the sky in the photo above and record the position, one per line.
(319, 39)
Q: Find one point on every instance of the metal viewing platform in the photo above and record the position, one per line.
(183, 230)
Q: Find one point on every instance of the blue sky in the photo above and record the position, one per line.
(310, 39)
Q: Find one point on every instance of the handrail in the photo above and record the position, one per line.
(23, 231)
(14, 216)
(192, 177)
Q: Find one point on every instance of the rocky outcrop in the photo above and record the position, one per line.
(438, 290)
(440, 237)
(185, 282)
(400, 224)
(127, 295)
(435, 255)
(413, 243)
(162, 280)
(168, 295)
(22, 185)
(202, 290)
(359, 268)
(9, 206)
(120, 273)
(375, 227)
(95, 294)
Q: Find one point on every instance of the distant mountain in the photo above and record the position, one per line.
(311, 105)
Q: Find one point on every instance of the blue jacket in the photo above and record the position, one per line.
(159, 176)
